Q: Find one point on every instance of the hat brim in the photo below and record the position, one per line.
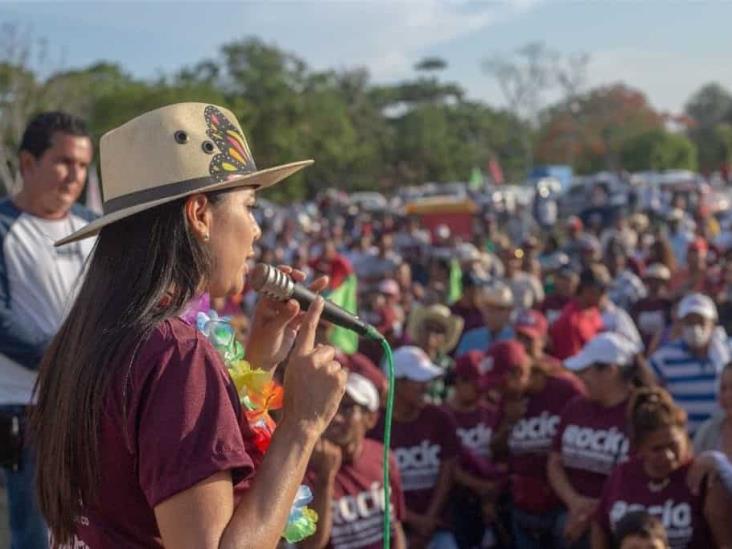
(702, 311)
(453, 327)
(422, 374)
(259, 180)
(578, 362)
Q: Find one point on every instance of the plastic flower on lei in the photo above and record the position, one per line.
(303, 520)
(258, 394)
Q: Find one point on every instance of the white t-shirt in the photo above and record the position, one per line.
(39, 281)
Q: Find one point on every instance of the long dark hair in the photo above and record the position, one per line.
(143, 269)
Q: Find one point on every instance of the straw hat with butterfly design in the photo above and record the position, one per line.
(173, 152)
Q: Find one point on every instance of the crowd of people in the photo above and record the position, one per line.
(545, 386)
(563, 386)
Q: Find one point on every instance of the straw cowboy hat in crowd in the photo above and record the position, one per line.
(173, 152)
(439, 314)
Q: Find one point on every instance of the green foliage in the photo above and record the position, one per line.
(658, 150)
(366, 136)
(710, 113)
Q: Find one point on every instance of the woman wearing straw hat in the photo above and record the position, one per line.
(138, 426)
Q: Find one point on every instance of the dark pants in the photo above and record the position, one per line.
(536, 530)
(27, 528)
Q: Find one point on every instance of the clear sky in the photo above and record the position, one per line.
(668, 48)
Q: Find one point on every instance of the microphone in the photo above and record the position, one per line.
(275, 284)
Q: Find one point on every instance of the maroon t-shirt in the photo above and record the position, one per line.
(530, 442)
(358, 500)
(420, 446)
(475, 428)
(592, 440)
(171, 419)
(682, 514)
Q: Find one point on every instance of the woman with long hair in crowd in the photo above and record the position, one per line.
(140, 433)
(656, 479)
(592, 439)
(531, 400)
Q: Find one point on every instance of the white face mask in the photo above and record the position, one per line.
(696, 336)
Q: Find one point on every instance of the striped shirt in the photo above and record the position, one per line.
(691, 381)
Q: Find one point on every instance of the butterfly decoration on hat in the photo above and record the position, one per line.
(234, 157)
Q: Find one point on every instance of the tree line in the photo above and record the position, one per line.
(365, 135)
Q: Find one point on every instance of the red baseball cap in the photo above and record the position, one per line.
(502, 358)
(532, 324)
(469, 366)
(363, 365)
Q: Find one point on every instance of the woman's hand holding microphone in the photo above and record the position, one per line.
(276, 323)
(314, 380)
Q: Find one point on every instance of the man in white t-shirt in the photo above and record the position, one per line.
(37, 283)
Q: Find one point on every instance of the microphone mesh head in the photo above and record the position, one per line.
(272, 282)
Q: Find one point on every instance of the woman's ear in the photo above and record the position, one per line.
(198, 216)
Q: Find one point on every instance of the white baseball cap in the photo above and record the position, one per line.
(605, 348)
(362, 391)
(698, 304)
(411, 362)
(658, 271)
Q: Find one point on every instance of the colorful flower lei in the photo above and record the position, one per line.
(258, 394)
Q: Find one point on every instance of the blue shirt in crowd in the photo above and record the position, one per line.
(479, 339)
(692, 381)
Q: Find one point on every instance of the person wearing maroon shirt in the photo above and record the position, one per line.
(591, 438)
(530, 408)
(426, 446)
(140, 436)
(347, 477)
(476, 475)
(652, 313)
(565, 287)
(656, 479)
(581, 319)
(531, 330)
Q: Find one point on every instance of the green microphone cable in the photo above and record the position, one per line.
(375, 335)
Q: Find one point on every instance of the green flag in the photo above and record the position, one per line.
(455, 291)
(345, 296)
(476, 179)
